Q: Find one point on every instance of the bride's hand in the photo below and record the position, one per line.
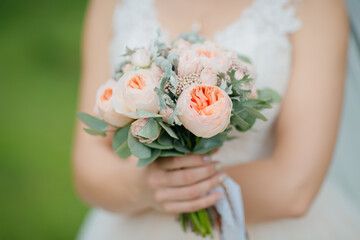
(180, 184)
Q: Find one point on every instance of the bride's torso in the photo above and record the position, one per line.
(260, 32)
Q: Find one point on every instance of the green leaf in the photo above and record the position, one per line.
(165, 139)
(171, 153)
(248, 118)
(120, 143)
(244, 58)
(155, 153)
(269, 95)
(258, 104)
(238, 121)
(168, 130)
(181, 148)
(159, 146)
(255, 113)
(92, 122)
(150, 130)
(137, 148)
(205, 145)
(95, 132)
(145, 114)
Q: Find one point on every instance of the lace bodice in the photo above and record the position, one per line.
(261, 33)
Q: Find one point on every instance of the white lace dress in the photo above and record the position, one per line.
(261, 33)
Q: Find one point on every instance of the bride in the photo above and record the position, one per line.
(299, 49)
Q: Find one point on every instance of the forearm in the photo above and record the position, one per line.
(268, 191)
(104, 180)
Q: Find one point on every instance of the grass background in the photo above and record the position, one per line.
(39, 72)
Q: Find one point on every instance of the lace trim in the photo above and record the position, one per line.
(275, 15)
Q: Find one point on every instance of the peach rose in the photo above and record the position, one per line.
(208, 77)
(189, 62)
(141, 57)
(135, 90)
(104, 109)
(211, 55)
(137, 126)
(205, 110)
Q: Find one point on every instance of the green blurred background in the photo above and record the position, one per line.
(39, 74)
(39, 66)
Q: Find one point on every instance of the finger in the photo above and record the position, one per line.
(192, 205)
(187, 176)
(191, 160)
(189, 192)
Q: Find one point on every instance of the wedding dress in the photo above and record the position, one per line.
(261, 33)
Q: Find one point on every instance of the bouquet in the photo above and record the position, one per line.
(174, 100)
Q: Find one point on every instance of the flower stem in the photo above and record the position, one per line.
(205, 220)
(199, 228)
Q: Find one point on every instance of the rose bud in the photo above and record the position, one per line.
(137, 126)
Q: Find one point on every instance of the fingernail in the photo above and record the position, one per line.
(218, 166)
(207, 158)
(222, 177)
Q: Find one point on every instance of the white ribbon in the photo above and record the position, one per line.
(233, 220)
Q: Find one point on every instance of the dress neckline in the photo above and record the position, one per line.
(216, 34)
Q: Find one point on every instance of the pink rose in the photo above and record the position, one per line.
(167, 112)
(182, 44)
(189, 62)
(208, 77)
(104, 109)
(156, 71)
(205, 110)
(141, 58)
(137, 126)
(135, 90)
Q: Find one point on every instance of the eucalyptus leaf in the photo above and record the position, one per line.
(95, 132)
(137, 148)
(269, 95)
(168, 130)
(248, 118)
(159, 146)
(238, 121)
(205, 145)
(255, 113)
(150, 130)
(244, 58)
(181, 148)
(155, 153)
(171, 153)
(258, 104)
(145, 114)
(165, 139)
(120, 143)
(92, 122)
